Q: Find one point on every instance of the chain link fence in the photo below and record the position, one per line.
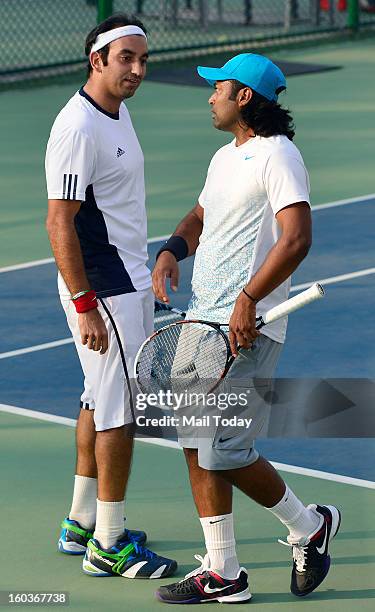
(47, 34)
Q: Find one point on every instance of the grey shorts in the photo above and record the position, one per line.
(224, 434)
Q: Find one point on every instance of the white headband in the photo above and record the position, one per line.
(104, 39)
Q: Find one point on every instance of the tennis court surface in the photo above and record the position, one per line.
(41, 382)
(331, 340)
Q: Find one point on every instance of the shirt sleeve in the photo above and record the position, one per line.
(69, 164)
(286, 181)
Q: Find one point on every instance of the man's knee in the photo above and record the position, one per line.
(214, 459)
(191, 458)
(116, 440)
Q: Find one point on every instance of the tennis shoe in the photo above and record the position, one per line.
(311, 561)
(126, 558)
(73, 538)
(204, 565)
(206, 586)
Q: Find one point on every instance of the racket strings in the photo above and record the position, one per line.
(183, 357)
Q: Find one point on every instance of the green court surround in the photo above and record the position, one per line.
(334, 114)
(36, 486)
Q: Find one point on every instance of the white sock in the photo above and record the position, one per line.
(300, 521)
(109, 522)
(221, 545)
(83, 508)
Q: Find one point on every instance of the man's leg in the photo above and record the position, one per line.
(219, 578)
(83, 508)
(124, 316)
(263, 484)
(85, 442)
(213, 499)
(105, 444)
(212, 494)
(310, 528)
(114, 552)
(105, 391)
(113, 453)
(78, 527)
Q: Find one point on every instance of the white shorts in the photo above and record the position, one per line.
(106, 388)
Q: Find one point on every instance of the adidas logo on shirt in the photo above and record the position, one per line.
(120, 152)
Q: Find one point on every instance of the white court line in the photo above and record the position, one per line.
(158, 239)
(35, 414)
(370, 196)
(28, 264)
(323, 281)
(48, 260)
(40, 262)
(335, 279)
(36, 347)
(300, 287)
(293, 469)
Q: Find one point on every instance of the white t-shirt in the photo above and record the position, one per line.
(94, 156)
(245, 187)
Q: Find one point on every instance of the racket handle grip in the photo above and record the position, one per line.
(315, 292)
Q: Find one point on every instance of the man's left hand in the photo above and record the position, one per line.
(242, 330)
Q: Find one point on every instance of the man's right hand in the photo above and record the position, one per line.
(165, 267)
(93, 330)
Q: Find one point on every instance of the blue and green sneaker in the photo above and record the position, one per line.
(126, 558)
(73, 538)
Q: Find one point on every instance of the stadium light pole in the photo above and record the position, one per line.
(105, 9)
(353, 14)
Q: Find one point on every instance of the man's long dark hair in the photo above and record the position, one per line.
(266, 118)
(114, 21)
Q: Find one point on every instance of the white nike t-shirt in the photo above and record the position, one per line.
(246, 186)
(94, 156)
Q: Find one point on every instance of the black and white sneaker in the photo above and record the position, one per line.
(206, 586)
(311, 560)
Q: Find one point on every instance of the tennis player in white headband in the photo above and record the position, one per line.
(104, 39)
(96, 191)
(117, 64)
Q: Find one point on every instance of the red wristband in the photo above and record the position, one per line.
(86, 302)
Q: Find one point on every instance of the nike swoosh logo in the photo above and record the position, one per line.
(249, 157)
(219, 521)
(321, 549)
(207, 589)
(221, 440)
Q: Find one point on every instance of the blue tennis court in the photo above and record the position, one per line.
(333, 340)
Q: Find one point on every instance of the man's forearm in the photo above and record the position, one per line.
(68, 255)
(281, 262)
(190, 229)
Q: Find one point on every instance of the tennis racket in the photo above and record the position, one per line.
(194, 356)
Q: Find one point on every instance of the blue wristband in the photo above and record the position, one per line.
(177, 246)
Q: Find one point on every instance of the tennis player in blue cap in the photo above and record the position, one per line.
(249, 231)
(255, 71)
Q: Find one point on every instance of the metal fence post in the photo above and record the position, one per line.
(105, 9)
(353, 14)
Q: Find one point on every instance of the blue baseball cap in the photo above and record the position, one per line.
(255, 71)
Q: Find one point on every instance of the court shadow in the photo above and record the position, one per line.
(328, 595)
(359, 560)
(356, 535)
(183, 570)
(197, 546)
(27, 426)
(348, 535)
